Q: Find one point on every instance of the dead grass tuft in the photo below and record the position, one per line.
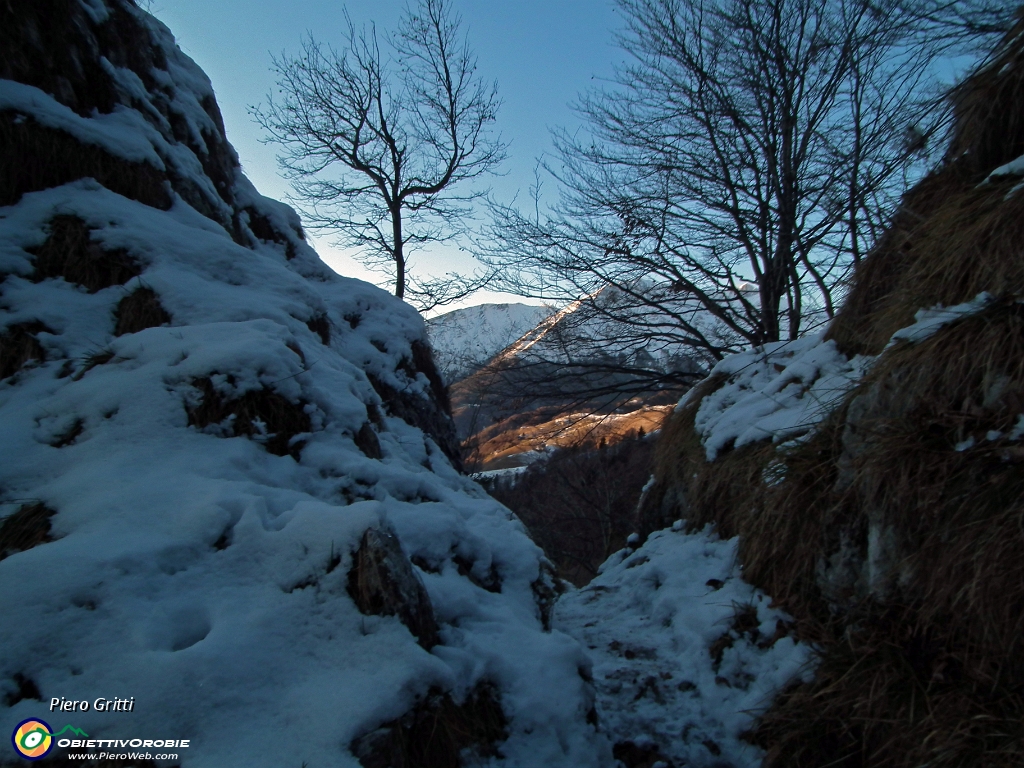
(953, 236)
(950, 241)
(102, 357)
(264, 415)
(35, 157)
(891, 693)
(321, 326)
(139, 310)
(925, 458)
(438, 732)
(432, 413)
(28, 527)
(19, 346)
(261, 227)
(989, 123)
(70, 253)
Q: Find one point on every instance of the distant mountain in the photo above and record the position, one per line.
(466, 339)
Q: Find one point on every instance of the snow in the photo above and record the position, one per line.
(1018, 429)
(928, 321)
(1013, 168)
(782, 391)
(778, 392)
(133, 598)
(649, 621)
(123, 132)
(508, 473)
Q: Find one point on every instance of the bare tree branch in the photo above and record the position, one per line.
(379, 147)
(736, 170)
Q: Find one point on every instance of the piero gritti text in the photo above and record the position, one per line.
(99, 705)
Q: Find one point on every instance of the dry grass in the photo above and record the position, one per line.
(895, 535)
(924, 656)
(19, 346)
(321, 326)
(33, 157)
(780, 527)
(891, 693)
(262, 414)
(261, 227)
(951, 241)
(139, 310)
(923, 660)
(953, 236)
(438, 732)
(68, 252)
(28, 527)
(958, 514)
(989, 127)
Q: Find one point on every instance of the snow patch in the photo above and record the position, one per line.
(673, 669)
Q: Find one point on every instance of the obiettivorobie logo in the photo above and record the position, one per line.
(33, 738)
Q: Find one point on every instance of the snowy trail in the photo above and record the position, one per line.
(685, 654)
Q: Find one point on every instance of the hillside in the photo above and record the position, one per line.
(578, 376)
(229, 485)
(873, 472)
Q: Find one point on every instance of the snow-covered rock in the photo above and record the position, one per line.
(200, 424)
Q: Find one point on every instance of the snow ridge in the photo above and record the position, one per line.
(465, 339)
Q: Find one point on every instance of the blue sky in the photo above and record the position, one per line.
(542, 54)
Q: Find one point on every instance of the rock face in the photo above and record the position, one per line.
(875, 474)
(382, 582)
(229, 485)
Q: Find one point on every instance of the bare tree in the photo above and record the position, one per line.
(379, 145)
(740, 165)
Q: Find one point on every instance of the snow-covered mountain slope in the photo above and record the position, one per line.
(466, 339)
(223, 482)
(617, 326)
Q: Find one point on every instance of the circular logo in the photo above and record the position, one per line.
(32, 739)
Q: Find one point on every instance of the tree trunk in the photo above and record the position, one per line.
(398, 252)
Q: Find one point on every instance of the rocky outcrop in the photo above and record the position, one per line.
(382, 583)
